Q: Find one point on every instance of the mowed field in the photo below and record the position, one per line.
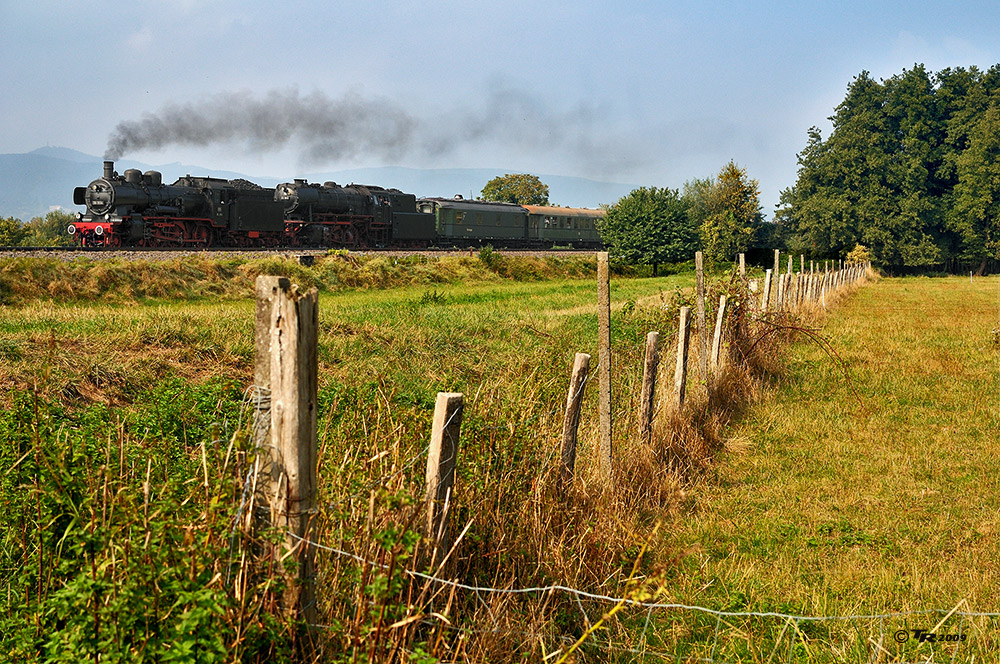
(866, 483)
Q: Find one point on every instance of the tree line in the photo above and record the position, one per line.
(720, 215)
(910, 170)
(47, 231)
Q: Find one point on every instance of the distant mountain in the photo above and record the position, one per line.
(33, 183)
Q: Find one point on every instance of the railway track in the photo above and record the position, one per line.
(166, 253)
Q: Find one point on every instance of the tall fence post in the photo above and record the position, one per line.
(777, 262)
(743, 266)
(765, 299)
(648, 398)
(604, 361)
(680, 372)
(571, 424)
(288, 340)
(699, 267)
(441, 457)
(717, 337)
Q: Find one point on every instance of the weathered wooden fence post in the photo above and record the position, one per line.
(699, 267)
(680, 372)
(777, 262)
(743, 266)
(577, 383)
(648, 398)
(765, 299)
(717, 337)
(604, 362)
(441, 457)
(286, 333)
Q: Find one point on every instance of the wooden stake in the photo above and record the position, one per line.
(292, 487)
(765, 299)
(648, 398)
(680, 372)
(717, 337)
(743, 266)
(699, 266)
(604, 362)
(441, 459)
(777, 262)
(571, 423)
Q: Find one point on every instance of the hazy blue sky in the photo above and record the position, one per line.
(652, 93)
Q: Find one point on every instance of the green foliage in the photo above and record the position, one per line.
(648, 227)
(910, 170)
(859, 254)
(12, 232)
(50, 230)
(111, 550)
(733, 212)
(517, 188)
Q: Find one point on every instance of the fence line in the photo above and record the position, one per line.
(611, 599)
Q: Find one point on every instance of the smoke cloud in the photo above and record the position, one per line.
(325, 130)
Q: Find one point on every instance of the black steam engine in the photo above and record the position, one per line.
(137, 210)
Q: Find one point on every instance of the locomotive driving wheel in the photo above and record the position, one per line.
(200, 236)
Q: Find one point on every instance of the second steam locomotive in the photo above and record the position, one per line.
(136, 209)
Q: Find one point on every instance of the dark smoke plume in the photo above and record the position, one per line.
(328, 130)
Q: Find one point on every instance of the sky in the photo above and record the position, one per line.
(653, 93)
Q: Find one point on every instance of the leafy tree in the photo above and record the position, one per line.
(50, 230)
(12, 232)
(733, 213)
(909, 170)
(650, 226)
(518, 188)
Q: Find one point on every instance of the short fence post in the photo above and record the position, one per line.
(743, 266)
(699, 266)
(648, 398)
(680, 372)
(577, 383)
(441, 457)
(717, 337)
(292, 373)
(604, 362)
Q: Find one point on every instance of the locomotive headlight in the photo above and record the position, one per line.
(99, 230)
(71, 229)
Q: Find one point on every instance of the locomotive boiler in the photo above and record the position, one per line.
(355, 215)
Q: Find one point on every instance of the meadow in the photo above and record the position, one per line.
(860, 482)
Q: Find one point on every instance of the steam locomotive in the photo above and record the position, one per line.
(136, 209)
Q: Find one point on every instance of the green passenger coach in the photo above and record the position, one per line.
(464, 222)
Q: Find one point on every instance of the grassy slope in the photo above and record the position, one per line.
(882, 501)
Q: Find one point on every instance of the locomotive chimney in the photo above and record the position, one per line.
(109, 170)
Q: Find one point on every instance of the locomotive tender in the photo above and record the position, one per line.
(137, 210)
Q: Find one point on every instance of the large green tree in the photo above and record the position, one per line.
(650, 226)
(517, 188)
(909, 171)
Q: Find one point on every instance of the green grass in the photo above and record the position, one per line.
(867, 487)
(157, 381)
